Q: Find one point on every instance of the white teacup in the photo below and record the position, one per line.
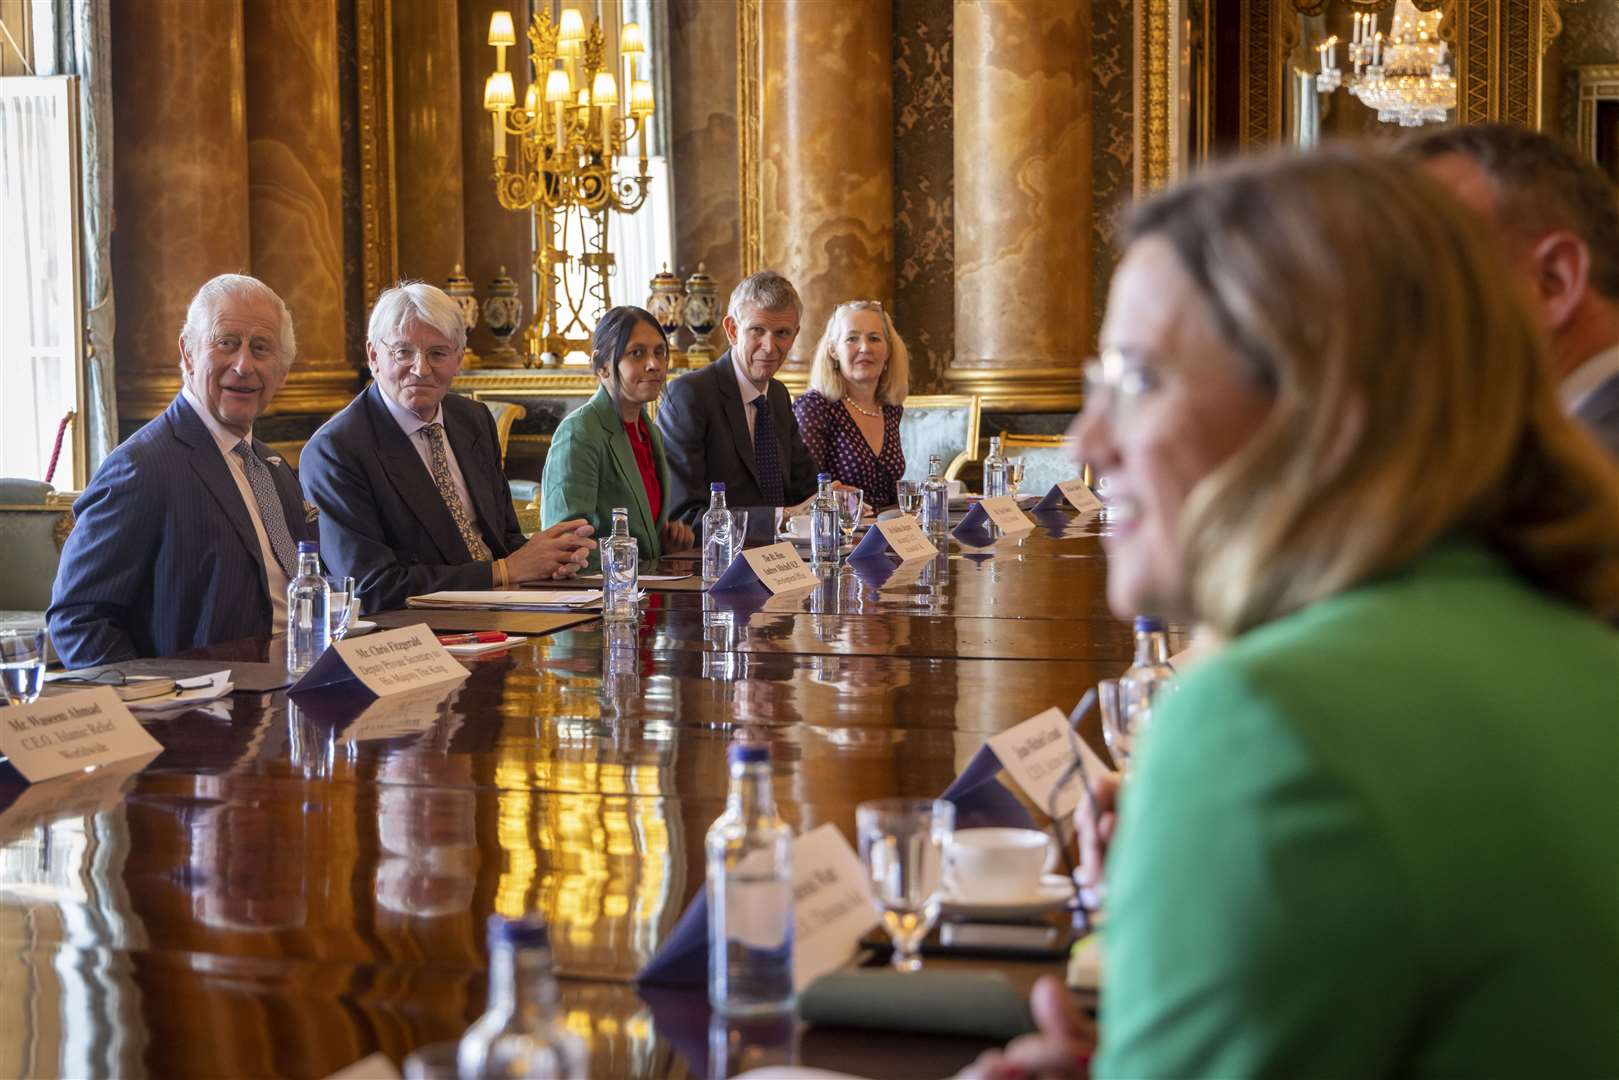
(798, 527)
(996, 865)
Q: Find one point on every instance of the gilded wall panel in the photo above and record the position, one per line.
(703, 137)
(1112, 139)
(924, 188)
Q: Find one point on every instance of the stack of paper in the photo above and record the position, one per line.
(508, 600)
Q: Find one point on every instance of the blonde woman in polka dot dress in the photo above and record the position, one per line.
(850, 415)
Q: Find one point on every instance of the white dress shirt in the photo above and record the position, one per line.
(749, 392)
(413, 425)
(1582, 382)
(275, 577)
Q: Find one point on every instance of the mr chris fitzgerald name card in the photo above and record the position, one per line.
(388, 662)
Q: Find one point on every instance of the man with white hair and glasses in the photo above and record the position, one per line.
(188, 533)
(408, 478)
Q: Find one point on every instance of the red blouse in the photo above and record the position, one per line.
(641, 444)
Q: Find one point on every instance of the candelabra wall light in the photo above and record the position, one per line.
(566, 138)
(1405, 77)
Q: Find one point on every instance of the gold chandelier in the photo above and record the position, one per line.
(1405, 78)
(568, 135)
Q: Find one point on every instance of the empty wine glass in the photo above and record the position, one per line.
(910, 497)
(1116, 729)
(1014, 475)
(22, 665)
(849, 501)
(739, 533)
(340, 604)
(902, 843)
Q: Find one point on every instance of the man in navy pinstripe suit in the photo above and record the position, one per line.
(188, 532)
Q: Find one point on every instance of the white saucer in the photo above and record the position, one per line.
(1054, 890)
(360, 626)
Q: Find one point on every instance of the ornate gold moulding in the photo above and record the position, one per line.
(1025, 388)
(143, 395)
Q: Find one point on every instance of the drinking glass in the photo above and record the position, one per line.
(910, 497)
(340, 604)
(22, 664)
(739, 534)
(1014, 475)
(902, 843)
(849, 501)
(1116, 728)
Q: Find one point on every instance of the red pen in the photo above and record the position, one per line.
(480, 637)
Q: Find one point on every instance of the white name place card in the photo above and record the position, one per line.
(1001, 511)
(387, 662)
(59, 735)
(1075, 492)
(902, 535)
(1037, 752)
(778, 568)
(832, 903)
(378, 1066)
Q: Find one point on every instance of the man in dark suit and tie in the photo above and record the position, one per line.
(1555, 213)
(732, 422)
(188, 533)
(407, 476)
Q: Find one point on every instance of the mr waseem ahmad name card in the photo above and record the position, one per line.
(1001, 511)
(778, 568)
(60, 735)
(1038, 752)
(832, 905)
(387, 662)
(902, 535)
(1074, 492)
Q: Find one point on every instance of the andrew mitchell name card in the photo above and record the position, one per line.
(777, 567)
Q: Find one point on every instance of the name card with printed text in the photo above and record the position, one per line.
(1001, 511)
(387, 662)
(1074, 492)
(902, 535)
(778, 568)
(1038, 753)
(71, 732)
(832, 903)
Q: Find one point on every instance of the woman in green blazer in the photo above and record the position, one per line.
(606, 453)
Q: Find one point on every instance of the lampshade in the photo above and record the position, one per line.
(604, 91)
(584, 96)
(531, 99)
(498, 92)
(631, 41)
(572, 26)
(640, 98)
(500, 29)
(558, 87)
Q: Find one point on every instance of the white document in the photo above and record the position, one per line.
(195, 691)
(832, 903)
(507, 599)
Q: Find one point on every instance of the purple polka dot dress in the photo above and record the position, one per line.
(831, 435)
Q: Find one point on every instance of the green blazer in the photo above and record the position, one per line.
(1378, 837)
(591, 468)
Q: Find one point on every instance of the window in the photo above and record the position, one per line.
(40, 305)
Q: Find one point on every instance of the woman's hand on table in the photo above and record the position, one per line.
(678, 536)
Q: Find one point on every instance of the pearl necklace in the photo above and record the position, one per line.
(857, 407)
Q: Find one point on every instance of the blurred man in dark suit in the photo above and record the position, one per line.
(407, 476)
(1556, 213)
(732, 422)
(188, 532)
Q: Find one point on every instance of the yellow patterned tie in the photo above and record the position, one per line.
(446, 490)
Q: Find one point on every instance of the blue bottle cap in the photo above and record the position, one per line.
(309, 547)
(1149, 624)
(716, 487)
(749, 753)
(821, 478)
(526, 932)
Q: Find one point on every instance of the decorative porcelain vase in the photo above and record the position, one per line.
(458, 287)
(503, 311)
(667, 302)
(701, 315)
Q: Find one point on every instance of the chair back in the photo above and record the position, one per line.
(1047, 459)
(35, 520)
(943, 424)
(506, 413)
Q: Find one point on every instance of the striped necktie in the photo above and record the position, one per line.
(260, 482)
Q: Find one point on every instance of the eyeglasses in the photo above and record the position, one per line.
(1117, 381)
(405, 355)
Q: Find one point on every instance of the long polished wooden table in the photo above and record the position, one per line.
(291, 886)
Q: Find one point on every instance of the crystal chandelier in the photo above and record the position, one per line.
(1404, 77)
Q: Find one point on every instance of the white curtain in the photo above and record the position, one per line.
(74, 37)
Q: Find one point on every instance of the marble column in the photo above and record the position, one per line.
(1023, 202)
(703, 153)
(495, 236)
(826, 169)
(427, 138)
(179, 181)
(295, 190)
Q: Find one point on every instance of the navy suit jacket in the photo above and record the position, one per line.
(1599, 412)
(705, 437)
(163, 556)
(382, 520)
